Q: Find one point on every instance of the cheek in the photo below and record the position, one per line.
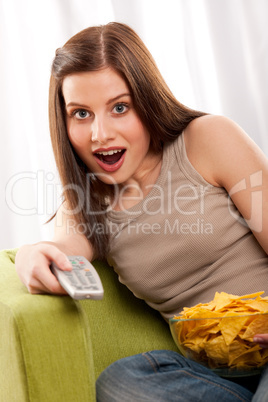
(78, 135)
(139, 134)
(144, 139)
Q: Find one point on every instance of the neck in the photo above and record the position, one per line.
(138, 186)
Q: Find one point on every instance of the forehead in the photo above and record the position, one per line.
(104, 83)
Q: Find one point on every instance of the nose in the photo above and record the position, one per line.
(100, 131)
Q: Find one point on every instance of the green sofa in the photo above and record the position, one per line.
(53, 348)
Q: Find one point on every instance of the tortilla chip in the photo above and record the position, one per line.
(220, 333)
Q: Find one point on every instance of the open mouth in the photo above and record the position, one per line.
(110, 157)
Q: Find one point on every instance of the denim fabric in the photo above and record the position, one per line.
(164, 375)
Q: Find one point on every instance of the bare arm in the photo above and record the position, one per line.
(33, 261)
(226, 157)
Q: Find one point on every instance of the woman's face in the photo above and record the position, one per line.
(104, 127)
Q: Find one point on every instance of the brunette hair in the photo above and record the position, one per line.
(117, 46)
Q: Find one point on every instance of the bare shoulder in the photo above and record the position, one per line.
(227, 157)
(216, 145)
(213, 131)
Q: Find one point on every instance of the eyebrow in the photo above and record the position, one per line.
(117, 97)
(107, 103)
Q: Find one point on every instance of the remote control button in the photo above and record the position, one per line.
(92, 280)
(80, 278)
(82, 281)
(73, 281)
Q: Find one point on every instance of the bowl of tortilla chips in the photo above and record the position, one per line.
(219, 334)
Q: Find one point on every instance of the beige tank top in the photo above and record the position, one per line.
(184, 241)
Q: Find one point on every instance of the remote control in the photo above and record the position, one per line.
(83, 282)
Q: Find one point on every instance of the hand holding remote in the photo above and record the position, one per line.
(83, 282)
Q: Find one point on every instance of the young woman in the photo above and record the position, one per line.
(176, 200)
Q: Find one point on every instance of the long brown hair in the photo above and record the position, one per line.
(117, 46)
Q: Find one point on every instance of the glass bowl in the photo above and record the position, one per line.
(224, 344)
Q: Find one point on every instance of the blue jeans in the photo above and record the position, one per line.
(164, 375)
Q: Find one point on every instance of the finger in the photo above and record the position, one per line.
(47, 281)
(261, 339)
(58, 257)
(46, 285)
(42, 279)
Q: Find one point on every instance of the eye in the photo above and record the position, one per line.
(81, 114)
(120, 108)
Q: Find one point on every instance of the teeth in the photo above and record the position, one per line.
(111, 152)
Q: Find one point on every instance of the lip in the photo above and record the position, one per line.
(115, 166)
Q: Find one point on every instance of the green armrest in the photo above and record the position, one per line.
(53, 348)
